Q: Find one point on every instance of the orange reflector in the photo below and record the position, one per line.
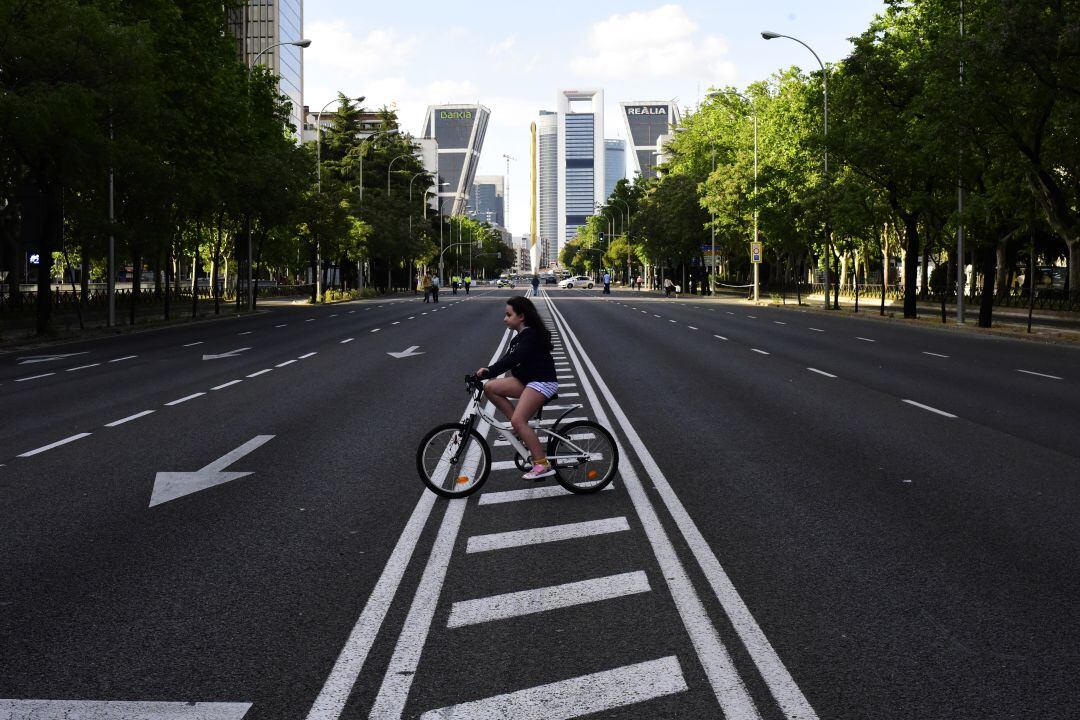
(592, 474)
(463, 479)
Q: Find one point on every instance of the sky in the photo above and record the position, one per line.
(513, 57)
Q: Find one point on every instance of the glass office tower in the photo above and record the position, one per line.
(547, 184)
(645, 123)
(488, 199)
(580, 160)
(614, 164)
(459, 131)
(259, 24)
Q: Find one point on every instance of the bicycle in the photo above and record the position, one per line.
(454, 459)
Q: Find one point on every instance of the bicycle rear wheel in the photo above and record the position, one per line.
(452, 464)
(589, 469)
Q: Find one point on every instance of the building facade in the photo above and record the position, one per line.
(547, 182)
(488, 199)
(645, 122)
(459, 131)
(614, 164)
(580, 159)
(260, 24)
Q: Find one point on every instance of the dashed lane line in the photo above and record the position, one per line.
(719, 337)
(346, 340)
(305, 357)
(927, 407)
(83, 367)
(246, 332)
(762, 352)
(865, 339)
(1039, 374)
(817, 329)
(821, 372)
(225, 385)
(58, 443)
(934, 354)
(376, 330)
(777, 322)
(126, 357)
(260, 372)
(691, 327)
(34, 377)
(129, 418)
(283, 364)
(185, 399)
(200, 342)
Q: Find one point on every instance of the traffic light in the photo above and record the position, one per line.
(601, 237)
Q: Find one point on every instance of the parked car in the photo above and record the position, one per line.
(504, 283)
(577, 281)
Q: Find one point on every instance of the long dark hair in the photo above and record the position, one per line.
(523, 306)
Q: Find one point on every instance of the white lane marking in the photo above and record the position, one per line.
(305, 357)
(655, 315)
(281, 326)
(719, 337)
(413, 317)
(351, 312)
(200, 342)
(752, 317)
(691, 327)
(505, 496)
(777, 322)
(396, 322)
(503, 465)
(346, 340)
(725, 681)
(34, 377)
(644, 312)
(552, 533)
(1038, 374)
(423, 313)
(817, 329)
(927, 407)
(821, 372)
(83, 367)
(576, 697)
(759, 351)
(331, 700)
(555, 597)
(671, 321)
(566, 395)
(310, 320)
(729, 312)
(283, 364)
(934, 354)
(260, 372)
(58, 443)
(225, 385)
(864, 339)
(126, 357)
(246, 332)
(185, 399)
(376, 330)
(334, 315)
(122, 709)
(129, 418)
(562, 385)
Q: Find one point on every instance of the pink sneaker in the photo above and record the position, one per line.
(539, 471)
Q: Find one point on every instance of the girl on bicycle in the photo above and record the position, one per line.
(532, 378)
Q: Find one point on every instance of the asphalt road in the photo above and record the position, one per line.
(814, 517)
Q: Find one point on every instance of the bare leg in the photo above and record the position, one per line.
(530, 402)
(497, 391)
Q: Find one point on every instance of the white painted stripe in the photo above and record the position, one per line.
(126, 357)
(1038, 374)
(821, 372)
(413, 317)
(121, 710)
(539, 493)
(724, 679)
(281, 326)
(555, 597)
(759, 351)
(200, 342)
(777, 322)
(350, 661)
(334, 315)
(185, 399)
(691, 327)
(730, 313)
(553, 533)
(935, 354)
(260, 372)
(817, 329)
(927, 407)
(719, 337)
(246, 332)
(310, 320)
(565, 385)
(655, 315)
(287, 362)
(346, 340)
(864, 339)
(503, 464)
(83, 367)
(34, 377)
(752, 317)
(396, 322)
(376, 330)
(129, 418)
(671, 321)
(566, 395)
(58, 443)
(225, 385)
(305, 357)
(351, 312)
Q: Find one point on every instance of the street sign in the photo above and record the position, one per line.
(755, 252)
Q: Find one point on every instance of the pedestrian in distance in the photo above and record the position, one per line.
(455, 281)
(425, 285)
(638, 282)
(435, 287)
(536, 286)
(468, 282)
(607, 283)
(532, 378)
(669, 287)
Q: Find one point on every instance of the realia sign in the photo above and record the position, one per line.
(647, 110)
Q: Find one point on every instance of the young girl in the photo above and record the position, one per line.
(532, 377)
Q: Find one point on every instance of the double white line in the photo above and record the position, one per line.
(729, 688)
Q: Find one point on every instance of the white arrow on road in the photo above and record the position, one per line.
(231, 353)
(171, 485)
(120, 710)
(407, 352)
(31, 359)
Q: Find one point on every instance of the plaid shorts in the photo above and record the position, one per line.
(547, 389)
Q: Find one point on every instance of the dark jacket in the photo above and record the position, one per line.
(527, 359)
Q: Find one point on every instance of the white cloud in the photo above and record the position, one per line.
(502, 47)
(664, 42)
(335, 47)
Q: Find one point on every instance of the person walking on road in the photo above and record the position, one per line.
(536, 286)
(468, 282)
(435, 287)
(425, 285)
(607, 283)
(455, 281)
(638, 282)
(532, 378)
(669, 287)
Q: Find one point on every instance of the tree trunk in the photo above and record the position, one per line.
(924, 286)
(214, 267)
(136, 281)
(84, 273)
(51, 232)
(195, 273)
(911, 265)
(1002, 268)
(986, 305)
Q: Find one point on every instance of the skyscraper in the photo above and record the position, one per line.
(488, 199)
(260, 24)
(547, 185)
(580, 160)
(459, 130)
(645, 122)
(614, 164)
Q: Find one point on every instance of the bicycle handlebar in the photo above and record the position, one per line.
(473, 383)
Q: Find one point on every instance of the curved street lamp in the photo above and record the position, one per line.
(768, 35)
(297, 43)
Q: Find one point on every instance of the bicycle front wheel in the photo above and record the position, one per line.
(587, 460)
(453, 464)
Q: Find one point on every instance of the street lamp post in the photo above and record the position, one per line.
(391, 167)
(318, 175)
(250, 285)
(626, 234)
(825, 83)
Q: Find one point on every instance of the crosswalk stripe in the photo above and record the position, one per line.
(554, 597)
(551, 533)
(576, 697)
(539, 493)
